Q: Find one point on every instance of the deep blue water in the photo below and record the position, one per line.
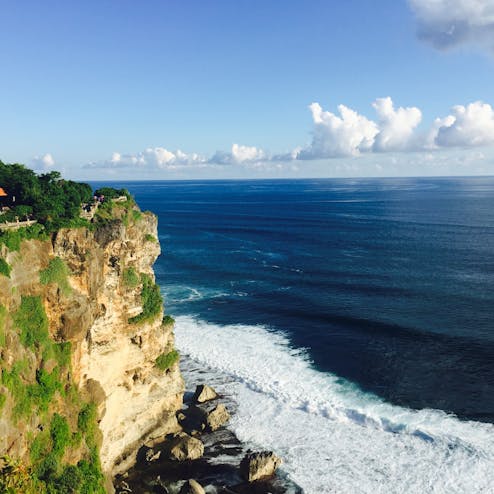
(386, 282)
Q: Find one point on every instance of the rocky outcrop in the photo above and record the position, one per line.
(217, 417)
(204, 393)
(197, 419)
(259, 466)
(184, 447)
(113, 358)
(192, 487)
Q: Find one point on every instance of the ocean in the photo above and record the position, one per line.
(350, 321)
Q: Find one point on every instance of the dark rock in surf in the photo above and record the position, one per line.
(259, 466)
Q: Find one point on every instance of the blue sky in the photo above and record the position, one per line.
(208, 89)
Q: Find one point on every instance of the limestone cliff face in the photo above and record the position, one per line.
(112, 359)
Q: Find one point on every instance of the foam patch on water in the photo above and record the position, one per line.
(332, 436)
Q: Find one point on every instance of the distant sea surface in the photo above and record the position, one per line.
(352, 321)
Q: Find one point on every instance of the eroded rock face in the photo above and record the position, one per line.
(258, 466)
(204, 393)
(113, 361)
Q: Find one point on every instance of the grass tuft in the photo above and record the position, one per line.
(166, 360)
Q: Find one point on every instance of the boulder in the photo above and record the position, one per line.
(258, 466)
(184, 447)
(151, 455)
(204, 393)
(217, 417)
(192, 487)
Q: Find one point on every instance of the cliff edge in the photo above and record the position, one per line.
(83, 338)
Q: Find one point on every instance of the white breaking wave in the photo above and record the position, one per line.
(332, 436)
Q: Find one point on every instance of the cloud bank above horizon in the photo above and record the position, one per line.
(345, 133)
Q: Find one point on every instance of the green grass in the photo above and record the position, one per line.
(3, 399)
(150, 238)
(56, 272)
(32, 322)
(166, 360)
(168, 320)
(13, 238)
(86, 420)
(136, 215)
(152, 302)
(5, 268)
(130, 278)
(3, 321)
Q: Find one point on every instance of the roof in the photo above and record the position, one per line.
(3, 193)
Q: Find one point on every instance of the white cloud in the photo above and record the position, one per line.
(351, 134)
(467, 126)
(239, 155)
(43, 163)
(157, 157)
(342, 135)
(333, 135)
(446, 23)
(395, 126)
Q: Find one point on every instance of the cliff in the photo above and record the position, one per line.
(82, 337)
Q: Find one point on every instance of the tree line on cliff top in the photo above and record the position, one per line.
(48, 198)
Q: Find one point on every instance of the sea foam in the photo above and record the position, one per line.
(332, 436)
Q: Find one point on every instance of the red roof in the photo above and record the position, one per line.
(3, 193)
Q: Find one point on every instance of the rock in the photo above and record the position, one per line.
(184, 447)
(217, 417)
(204, 393)
(192, 487)
(257, 466)
(152, 455)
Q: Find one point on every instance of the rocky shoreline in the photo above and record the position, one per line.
(207, 453)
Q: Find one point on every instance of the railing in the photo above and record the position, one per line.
(13, 225)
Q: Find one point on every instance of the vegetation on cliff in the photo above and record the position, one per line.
(47, 198)
(40, 389)
(48, 416)
(152, 301)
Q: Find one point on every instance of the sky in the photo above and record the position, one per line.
(184, 89)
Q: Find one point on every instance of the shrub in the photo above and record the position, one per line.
(5, 267)
(136, 214)
(130, 278)
(32, 322)
(41, 393)
(86, 420)
(152, 302)
(3, 399)
(150, 238)
(12, 238)
(56, 272)
(168, 320)
(166, 360)
(111, 193)
(16, 478)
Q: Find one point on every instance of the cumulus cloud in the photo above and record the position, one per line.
(341, 135)
(466, 126)
(238, 155)
(351, 134)
(157, 157)
(395, 126)
(345, 135)
(43, 163)
(447, 23)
